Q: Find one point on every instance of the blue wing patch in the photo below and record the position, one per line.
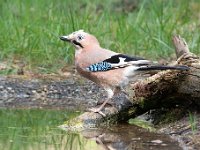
(101, 66)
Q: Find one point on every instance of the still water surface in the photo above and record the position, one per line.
(36, 129)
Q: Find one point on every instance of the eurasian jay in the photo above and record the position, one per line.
(109, 69)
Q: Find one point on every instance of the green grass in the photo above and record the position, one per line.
(193, 122)
(30, 29)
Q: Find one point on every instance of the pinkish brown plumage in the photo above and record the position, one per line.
(106, 68)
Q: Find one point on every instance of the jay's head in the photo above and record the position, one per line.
(81, 39)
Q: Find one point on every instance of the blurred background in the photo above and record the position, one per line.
(30, 30)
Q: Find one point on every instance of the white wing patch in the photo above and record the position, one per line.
(122, 63)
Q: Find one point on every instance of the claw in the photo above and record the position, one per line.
(97, 110)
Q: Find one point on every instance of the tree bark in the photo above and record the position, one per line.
(164, 89)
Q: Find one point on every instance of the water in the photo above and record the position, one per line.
(33, 129)
(36, 129)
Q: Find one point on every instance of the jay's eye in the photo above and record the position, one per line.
(80, 37)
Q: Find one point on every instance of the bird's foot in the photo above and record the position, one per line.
(97, 110)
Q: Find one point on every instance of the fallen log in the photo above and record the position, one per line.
(164, 89)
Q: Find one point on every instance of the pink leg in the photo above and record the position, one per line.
(98, 110)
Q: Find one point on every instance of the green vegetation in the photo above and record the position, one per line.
(193, 122)
(30, 29)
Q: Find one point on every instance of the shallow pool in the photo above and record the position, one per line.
(37, 129)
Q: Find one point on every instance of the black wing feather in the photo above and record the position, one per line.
(115, 59)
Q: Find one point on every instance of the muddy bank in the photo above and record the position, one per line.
(71, 93)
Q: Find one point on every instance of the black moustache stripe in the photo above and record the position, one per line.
(77, 43)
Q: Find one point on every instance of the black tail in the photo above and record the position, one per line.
(161, 67)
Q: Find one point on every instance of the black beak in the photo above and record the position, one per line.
(64, 38)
